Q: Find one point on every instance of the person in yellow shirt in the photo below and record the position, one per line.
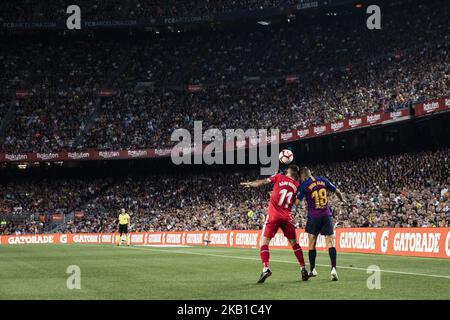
(124, 224)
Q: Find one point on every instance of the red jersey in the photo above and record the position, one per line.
(282, 197)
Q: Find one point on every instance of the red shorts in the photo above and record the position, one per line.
(272, 225)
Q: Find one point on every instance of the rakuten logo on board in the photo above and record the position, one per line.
(47, 156)
(396, 114)
(286, 136)
(137, 153)
(163, 152)
(319, 129)
(78, 155)
(354, 122)
(431, 106)
(303, 133)
(16, 157)
(109, 154)
(373, 118)
(336, 126)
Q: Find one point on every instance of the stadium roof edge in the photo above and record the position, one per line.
(161, 22)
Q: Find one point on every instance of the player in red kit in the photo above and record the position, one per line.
(278, 216)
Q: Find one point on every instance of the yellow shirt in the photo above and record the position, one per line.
(124, 218)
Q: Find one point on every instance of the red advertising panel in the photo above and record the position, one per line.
(320, 129)
(22, 94)
(396, 115)
(57, 217)
(105, 92)
(194, 88)
(291, 78)
(418, 242)
(354, 123)
(433, 106)
(374, 119)
(338, 126)
(304, 133)
(288, 136)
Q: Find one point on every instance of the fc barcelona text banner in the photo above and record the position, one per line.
(418, 242)
(145, 22)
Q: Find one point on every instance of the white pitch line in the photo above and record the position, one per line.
(283, 261)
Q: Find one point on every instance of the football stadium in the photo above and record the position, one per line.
(224, 150)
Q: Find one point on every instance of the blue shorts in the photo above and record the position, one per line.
(323, 225)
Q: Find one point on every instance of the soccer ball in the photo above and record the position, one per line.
(286, 156)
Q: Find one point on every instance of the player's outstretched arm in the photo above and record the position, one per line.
(255, 184)
(340, 195)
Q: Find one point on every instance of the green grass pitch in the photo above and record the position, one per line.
(110, 272)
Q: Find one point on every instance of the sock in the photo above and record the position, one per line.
(264, 252)
(118, 239)
(332, 253)
(299, 254)
(312, 258)
(128, 239)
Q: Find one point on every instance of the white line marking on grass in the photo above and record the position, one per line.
(361, 254)
(282, 261)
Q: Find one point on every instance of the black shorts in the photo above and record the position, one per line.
(123, 228)
(323, 225)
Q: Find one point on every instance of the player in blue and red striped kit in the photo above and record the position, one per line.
(315, 191)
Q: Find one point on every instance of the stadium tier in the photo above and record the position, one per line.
(129, 94)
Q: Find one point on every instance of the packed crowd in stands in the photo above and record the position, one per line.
(5, 102)
(49, 122)
(54, 63)
(405, 190)
(174, 8)
(29, 10)
(31, 199)
(318, 44)
(126, 121)
(343, 71)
